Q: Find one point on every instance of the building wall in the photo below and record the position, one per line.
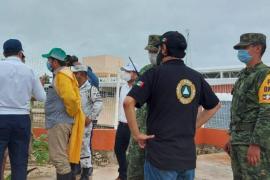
(224, 88)
(104, 65)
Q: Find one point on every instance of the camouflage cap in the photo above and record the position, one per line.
(153, 41)
(250, 38)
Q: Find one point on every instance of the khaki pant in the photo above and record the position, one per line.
(58, 139)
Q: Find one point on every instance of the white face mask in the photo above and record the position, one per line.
(126, 76)
(153, 58)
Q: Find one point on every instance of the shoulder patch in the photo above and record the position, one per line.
(264, 90)
(140, 84)
(185, 91)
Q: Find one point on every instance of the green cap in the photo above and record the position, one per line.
(250, 38)
(56, 53)
(153, 41)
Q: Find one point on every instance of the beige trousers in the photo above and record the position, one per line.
(58, 139)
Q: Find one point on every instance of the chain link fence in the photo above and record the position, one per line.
(221, 120)
(222, 88)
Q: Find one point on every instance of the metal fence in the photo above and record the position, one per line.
(108, 116)
(221, 120)
(109, 90)
(222, 88)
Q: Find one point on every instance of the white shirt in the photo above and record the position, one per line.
(123, 93)
(18, 84)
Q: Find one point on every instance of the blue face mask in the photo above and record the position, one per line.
(49, 66)
(244, 56)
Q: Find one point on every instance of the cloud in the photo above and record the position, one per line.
(121, 27)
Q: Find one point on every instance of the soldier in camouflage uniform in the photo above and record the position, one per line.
(135, 153)
(249, 145)
(92, 106)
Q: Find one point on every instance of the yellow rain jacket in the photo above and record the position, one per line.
(67, 88)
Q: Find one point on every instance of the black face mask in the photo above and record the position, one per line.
(160, 56)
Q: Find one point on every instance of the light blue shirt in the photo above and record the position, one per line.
(18, 84)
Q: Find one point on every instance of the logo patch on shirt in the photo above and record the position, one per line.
(140, 84)
(185, 91)
(264, 91)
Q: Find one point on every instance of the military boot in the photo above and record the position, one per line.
(86, 172)
(67, 176)
(75, 168)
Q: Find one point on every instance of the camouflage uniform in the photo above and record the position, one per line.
(92, 106)
(250, 112)
(136, 155)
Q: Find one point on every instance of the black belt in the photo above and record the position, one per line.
(123, 123)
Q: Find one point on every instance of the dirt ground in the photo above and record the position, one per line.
(209, 167)
(47, 172)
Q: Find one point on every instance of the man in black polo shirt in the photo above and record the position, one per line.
(173, 93)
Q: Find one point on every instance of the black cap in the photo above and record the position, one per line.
(173, 40)
(12, 46)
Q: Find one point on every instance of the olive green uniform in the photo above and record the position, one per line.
(250, 122)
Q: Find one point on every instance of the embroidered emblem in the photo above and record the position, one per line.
(185, 91)
(140, 84)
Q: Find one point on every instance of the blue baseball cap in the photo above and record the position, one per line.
(12, 46)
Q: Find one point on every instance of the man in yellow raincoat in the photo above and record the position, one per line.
(64, 117)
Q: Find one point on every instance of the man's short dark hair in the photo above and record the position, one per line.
(8, 54)
(262, 45)
(179, 53)
(263, 49)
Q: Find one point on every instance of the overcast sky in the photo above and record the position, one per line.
(121, 27)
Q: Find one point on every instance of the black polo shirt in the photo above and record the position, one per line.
(173, 93)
